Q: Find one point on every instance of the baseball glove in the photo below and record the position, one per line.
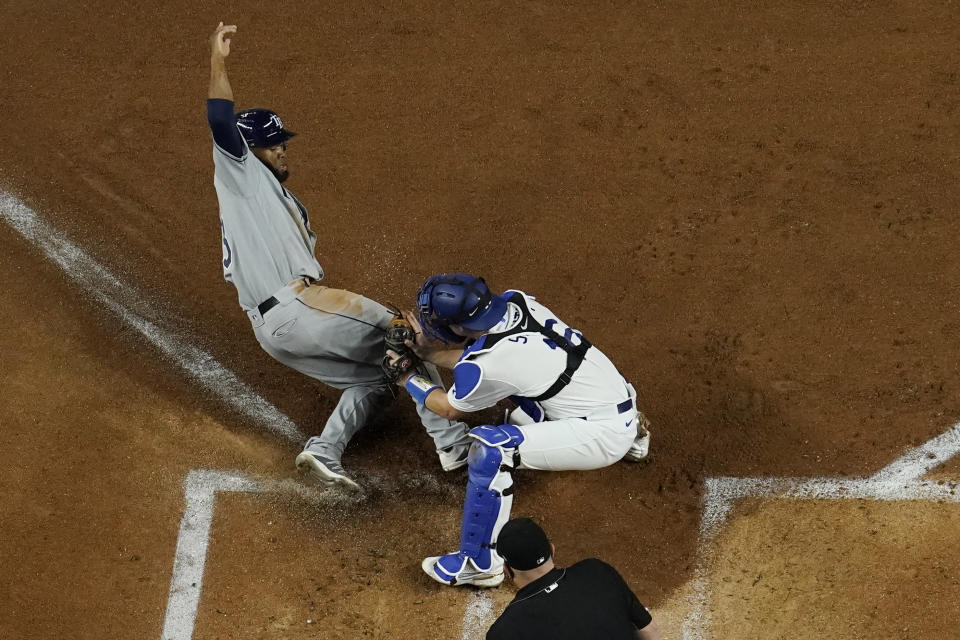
(398, 332)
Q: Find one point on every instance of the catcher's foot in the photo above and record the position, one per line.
(325, 470)
(640, 448)
(456, 569)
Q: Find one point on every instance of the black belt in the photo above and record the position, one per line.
(266, 305)
(271, 302)
(623, 407)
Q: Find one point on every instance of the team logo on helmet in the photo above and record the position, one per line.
(262, 128)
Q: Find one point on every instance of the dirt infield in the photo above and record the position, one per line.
(750, 206)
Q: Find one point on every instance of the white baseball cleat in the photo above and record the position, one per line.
(325, 470)
(640, 448)
(455, 569)
(453, 458)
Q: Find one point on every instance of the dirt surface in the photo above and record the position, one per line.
(865, 571)
(750, 206)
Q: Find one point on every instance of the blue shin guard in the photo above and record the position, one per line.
(487, 505)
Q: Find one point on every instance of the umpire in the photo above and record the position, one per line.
(586, 600)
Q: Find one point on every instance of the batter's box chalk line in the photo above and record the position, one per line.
(898, 481)
(186, 584)
(136, 312)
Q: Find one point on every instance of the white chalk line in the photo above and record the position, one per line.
(919, 461)
(478, 617)
(134, 311)
(898, 481)
(200, 490)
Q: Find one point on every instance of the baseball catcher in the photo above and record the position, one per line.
(575, 411)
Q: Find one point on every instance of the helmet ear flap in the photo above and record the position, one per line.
(437, 329)
(448, 336)
(435, 326)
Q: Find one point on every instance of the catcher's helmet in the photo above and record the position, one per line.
(461, 299)
(262, 128)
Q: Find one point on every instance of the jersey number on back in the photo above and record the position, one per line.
(567, 334)
(227, 254)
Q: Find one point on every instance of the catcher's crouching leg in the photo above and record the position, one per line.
(485, 510)
(526, 412)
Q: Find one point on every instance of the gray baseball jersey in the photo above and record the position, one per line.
(267, 240)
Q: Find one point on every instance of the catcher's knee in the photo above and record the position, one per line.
(495, 446)
(507, 436)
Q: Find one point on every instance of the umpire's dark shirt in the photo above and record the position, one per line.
(585, 601)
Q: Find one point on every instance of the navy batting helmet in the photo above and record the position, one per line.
(262, 128)
(461, 299)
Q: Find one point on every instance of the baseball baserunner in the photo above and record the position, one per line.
(332, 335)
(575, 411)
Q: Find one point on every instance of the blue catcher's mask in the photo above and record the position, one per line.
(457, 298)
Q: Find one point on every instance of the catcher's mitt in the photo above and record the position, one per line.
(398, 332)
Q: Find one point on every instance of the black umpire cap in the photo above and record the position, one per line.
(523, 545)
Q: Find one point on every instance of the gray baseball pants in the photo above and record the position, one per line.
(336, 337)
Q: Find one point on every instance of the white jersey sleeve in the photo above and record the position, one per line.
(472, 390)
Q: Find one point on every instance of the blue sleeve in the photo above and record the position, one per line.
(466, 377)
(223, 124)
